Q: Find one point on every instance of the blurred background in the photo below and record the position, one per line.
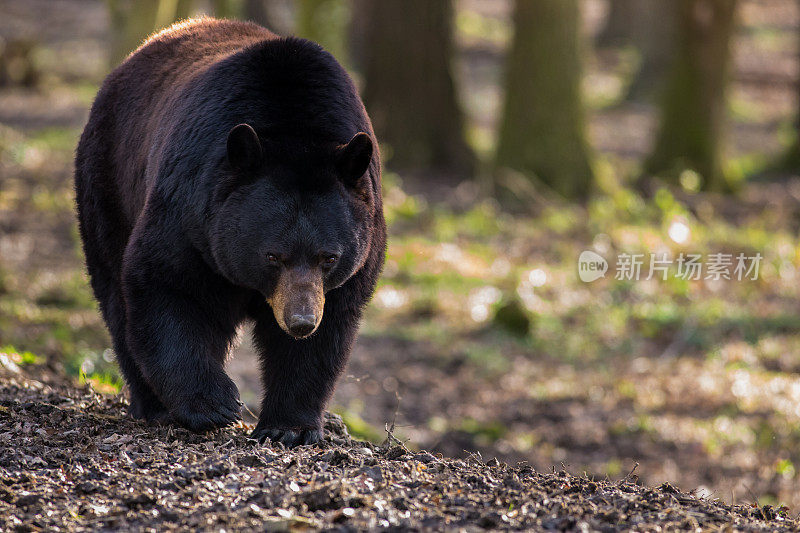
(515, 135)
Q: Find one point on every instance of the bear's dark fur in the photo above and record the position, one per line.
(228, 174)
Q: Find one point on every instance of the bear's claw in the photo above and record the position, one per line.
(288, 437)
(201, 420)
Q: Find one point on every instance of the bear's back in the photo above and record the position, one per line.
(187, 47)
(130, 107)
(170, 104)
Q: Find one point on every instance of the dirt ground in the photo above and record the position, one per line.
(72, 460)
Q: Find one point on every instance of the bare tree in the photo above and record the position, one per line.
(542, 128)
(226, 9)
(133, 20)
(649, 27)
(791, 159)
(618, 27)
(258, 11)
(324, 22)
(693, 111)
(409, 89)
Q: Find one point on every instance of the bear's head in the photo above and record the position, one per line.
(292, 221)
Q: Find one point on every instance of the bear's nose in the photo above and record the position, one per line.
(302, 325)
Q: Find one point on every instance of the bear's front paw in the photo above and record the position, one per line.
(215, 405)
(149, 410)
(145, 406)
(288, 437)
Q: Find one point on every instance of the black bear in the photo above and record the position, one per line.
(227, 174)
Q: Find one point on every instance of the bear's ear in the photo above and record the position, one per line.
(244, 148)
(353, 158)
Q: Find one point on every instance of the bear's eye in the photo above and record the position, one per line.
(330, 260)
(272, 258)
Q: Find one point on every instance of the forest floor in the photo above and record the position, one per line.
(481, 338)
(72, 460)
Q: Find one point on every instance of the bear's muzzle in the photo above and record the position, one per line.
(298, 301)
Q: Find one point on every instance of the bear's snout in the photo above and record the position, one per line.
(302, 325)
(298, 301)
(302, 313)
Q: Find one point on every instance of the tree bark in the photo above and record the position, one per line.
(357, 33)
(132, 21)
(325, 22)
(409, 89)
(258, 12)
(653, 34)
(694, 107)
(618, 28)
(649, 27)
(542, 128)
(226, 9)
(790, 162)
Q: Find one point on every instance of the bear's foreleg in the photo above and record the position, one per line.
(299, 375)
(179, 335)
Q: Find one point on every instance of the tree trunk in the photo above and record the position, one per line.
(131, 23)
(258, 12)
(178, 10)
(542, 129)
(648, 26)
(226, 9)
(357, 33)
(693, 110)
(409, 90)
(133, 20)
(618, 28)
(325, 22)
(790, 162)
(653, 34)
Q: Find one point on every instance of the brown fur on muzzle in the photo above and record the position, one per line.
(299, 293)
